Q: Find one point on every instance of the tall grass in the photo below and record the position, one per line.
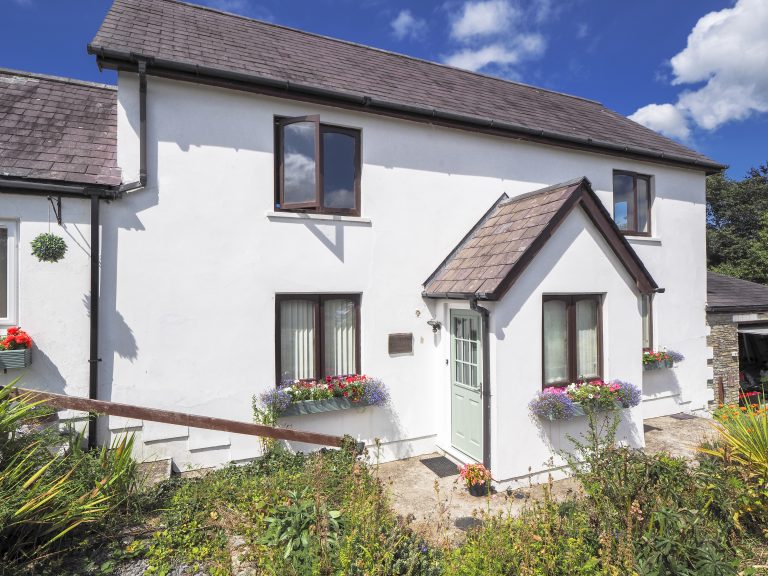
(49, 495)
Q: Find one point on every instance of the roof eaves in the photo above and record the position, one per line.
(41, 187)
(110, 58)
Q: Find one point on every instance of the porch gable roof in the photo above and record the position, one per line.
(500, 247)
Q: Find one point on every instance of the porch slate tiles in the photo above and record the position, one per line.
(500, 242)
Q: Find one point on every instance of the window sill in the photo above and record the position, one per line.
(643, 239)
(317, 217)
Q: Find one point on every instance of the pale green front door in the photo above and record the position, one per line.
(466, 383)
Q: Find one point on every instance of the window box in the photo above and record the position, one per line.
(658, 365)
(319, 406)
(10, 359)
(562, 403)
(579, 410)
(661, 360)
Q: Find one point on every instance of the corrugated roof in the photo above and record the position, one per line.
(175, 32)
(729, 294)
(497, 250)
(57, 129)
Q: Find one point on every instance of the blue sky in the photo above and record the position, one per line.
(696, 70)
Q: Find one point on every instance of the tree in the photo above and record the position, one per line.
(737, 225)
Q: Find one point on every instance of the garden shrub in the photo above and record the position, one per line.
(48, 498)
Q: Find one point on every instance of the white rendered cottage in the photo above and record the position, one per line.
(291, 204)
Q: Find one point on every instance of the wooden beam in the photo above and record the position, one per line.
(180, 418)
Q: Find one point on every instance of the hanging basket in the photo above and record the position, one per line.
(49, 247)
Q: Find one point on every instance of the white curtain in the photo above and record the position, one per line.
(555, 341)
(297, 339)
(339, 337)
(645, 311)
(586, 339)
(4, 273)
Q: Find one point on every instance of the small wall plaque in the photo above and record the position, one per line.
(401, 343)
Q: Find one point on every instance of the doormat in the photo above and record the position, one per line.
(465, 523)
(683, 416)
(441, 466)
(648, 428)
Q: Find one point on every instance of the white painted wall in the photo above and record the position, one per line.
(191, 264)
(575, 260)
(53, 299)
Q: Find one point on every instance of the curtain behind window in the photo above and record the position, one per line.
(339, 337)
(4, 273)
(645, 311)
(297, 339)
(586, 339)
(555, 341)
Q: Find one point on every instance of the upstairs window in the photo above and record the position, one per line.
(572, 337)
(7, 272)
(632, 203)
(318, 167)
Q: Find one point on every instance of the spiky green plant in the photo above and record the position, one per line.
(48, 494)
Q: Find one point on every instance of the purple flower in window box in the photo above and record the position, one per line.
(552, 404)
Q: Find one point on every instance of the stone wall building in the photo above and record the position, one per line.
(737, 316)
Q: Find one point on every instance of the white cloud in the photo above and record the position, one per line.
(483, 19)
(664, 118)
(582, 30)
(498, 54)
(727, 51)
(236, 6)
(406, 25)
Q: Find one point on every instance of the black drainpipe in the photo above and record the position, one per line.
(486, 387)
(93, 384)
(93, 387)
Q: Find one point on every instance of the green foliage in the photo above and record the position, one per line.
(49, 247)
(297, 522)
(49, 497)
(737, 225)
(547, 538)
(743, 447)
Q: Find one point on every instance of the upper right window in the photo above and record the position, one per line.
(632, 203)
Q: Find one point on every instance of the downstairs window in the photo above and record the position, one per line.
(572, 337)
(317, 336)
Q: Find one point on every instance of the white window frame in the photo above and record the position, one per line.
(13, 273)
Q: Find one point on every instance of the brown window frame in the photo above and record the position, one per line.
(649, 348)
(316, 206)
(633, 230)
(570, 301)
(319, 300)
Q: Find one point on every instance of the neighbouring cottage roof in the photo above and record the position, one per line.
(57, 129)
(202, 42)
(729, 294)
(498, 249)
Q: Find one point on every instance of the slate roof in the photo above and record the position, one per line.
(57, 129)
(487, 261)
(728, 294)
(208, 42)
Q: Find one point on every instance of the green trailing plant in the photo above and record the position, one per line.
(48, 247)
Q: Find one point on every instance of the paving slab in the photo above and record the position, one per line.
(676, 436)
